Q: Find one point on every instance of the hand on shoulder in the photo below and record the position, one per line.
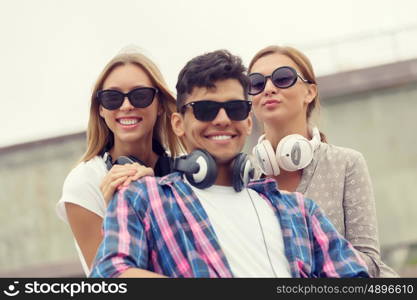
(120, 176)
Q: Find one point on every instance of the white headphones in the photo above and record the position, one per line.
(294, 152)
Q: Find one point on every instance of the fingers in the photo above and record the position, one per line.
(126, 183)
(114, 178)
(141, 172)
(118, 172)
(108, 189)
(120, 176)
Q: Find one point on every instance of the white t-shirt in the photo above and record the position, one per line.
(238, 229)
(82, 187)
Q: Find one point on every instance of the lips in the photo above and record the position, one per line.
(271, 101)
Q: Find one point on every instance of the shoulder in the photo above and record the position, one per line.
(332, 153)
(89, 171)
(85, 175)
(330, 150)
(151, 189)
(82, 187)
(299, 201)
(294, 204)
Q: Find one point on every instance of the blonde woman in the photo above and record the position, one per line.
(128, 128)
(294, 152)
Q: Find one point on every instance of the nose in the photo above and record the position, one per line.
(270, 88)
(126, 105)
(222, 119)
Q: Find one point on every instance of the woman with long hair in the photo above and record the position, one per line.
(128, 131)
(293, 151)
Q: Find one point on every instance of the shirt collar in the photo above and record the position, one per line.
(263, 185)
(170, 178)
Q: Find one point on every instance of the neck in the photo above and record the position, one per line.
(288, 181)
(140, 149)
(277, 130)
(224, 175)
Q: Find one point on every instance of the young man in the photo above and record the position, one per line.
(167, 227)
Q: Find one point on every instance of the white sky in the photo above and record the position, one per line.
(51, 51)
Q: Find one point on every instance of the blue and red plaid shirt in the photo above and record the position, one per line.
(158, 224)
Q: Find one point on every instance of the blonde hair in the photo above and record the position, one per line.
(303, 64)
(99, 135)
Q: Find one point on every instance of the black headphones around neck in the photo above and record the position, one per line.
(121, 160)
(162, 167)
(200, 169)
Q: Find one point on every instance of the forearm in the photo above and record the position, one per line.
(376, 267)
(139, 273)
(124, 243)
(360, 215)
(86, 228)
(338, 257)
(363, 238)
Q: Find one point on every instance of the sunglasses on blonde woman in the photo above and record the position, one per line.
(140, 97)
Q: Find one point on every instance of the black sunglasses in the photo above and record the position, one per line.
(207, 110)
(140, 97)
(283, 77)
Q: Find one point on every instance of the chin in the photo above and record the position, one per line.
(130, 138)
(224, 158)
(271, 114)
(274, 118)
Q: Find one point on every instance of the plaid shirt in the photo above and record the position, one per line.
(158, 224)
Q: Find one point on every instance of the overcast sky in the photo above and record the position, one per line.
(52, 51)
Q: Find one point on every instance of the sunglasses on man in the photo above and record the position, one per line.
(207, 110)
(282, 77)
(140, 97)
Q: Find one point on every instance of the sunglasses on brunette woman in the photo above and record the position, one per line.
(283, 77)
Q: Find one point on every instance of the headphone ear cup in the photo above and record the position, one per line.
(108, 160)
(199, 168)
(294, 152)
(266, 158)
(242, 172)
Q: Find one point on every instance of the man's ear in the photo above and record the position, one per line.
(177, 123)
(250, 123)
(311, 93)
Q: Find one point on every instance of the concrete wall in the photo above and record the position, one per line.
(31, 178)
(374, 111)
(382, 124)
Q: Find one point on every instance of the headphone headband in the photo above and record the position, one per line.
(261, 138)
(316, 139)
(121, 160)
